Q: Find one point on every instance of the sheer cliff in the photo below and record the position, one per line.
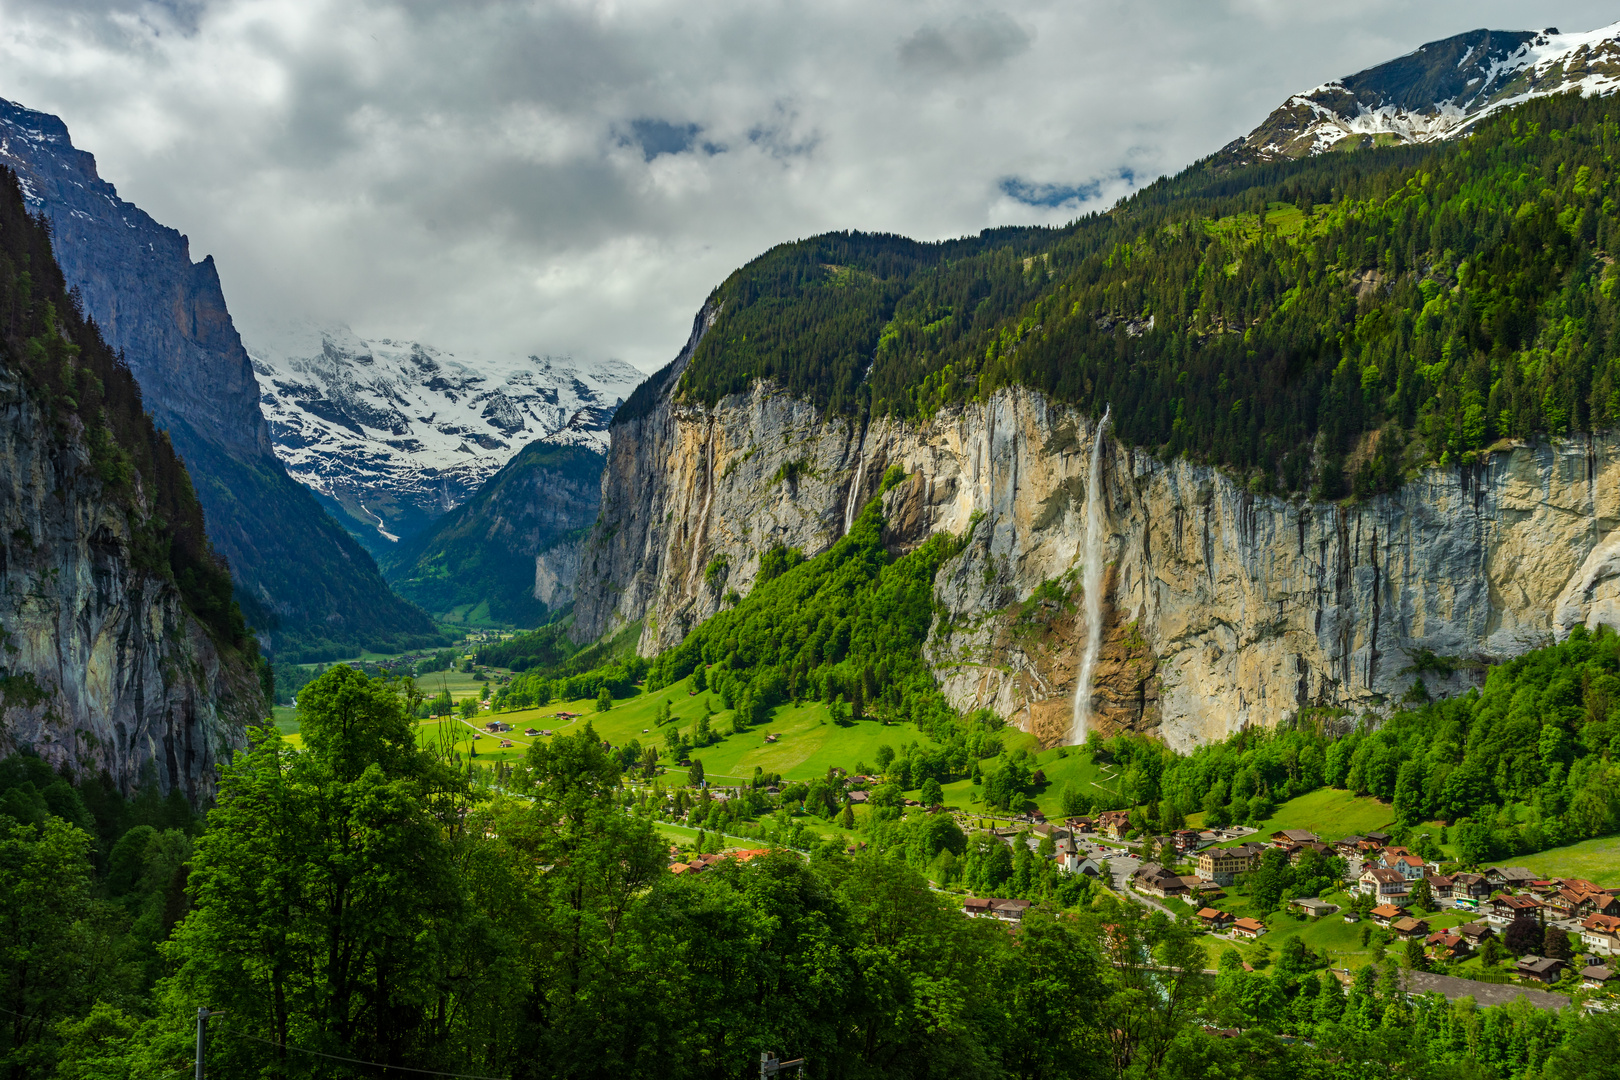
(120, 647)
(300, 576)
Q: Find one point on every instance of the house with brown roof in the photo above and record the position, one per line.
(1601, 934)
(1475, 933)
(1385, 914)
(1543, 969)
(1439, 886)
(1504, 909)
(1082, 826)
(1214, 919)
(977, 906)
(1469, 890)
(1408, 928)
(1114, 823)
(1283, 837)
(1509, 877)
(1596, 977)
(1409, 867)
(1446, 945)
(1388, 886)
(1010, 910)
(1155, 880)
(1186, 840)
(1223, 865)
(1248, 928)
(1313, 906)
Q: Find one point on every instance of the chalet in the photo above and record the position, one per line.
(1010, 910)
(1385, 914)
(1543, 969)
(1379, 838)
(1155, 880)
(1596, 977)
(1475, 934)
(1408, 928)
(1409, 867)
(1348, 845)
(770, 738)
(1114, 823)
(1299, 851)
(860, 797)
(1187, 840)
(1509, 877)
(546, 732)
(1440, 886)
(1082, 826)
(1223, 865)
(531, 732)
(505, 743)
(1285, 837)
(1248, 928)
(1214, 919)
(1566, 903)
(977, 905)
(1601, 934)
(1506, 909)
(1446, 945)
(1314, 907)
(1469, 890)
(1056, 832)
(1388, 886)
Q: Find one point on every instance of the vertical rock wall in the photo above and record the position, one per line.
(1224, 608)
(101, 666)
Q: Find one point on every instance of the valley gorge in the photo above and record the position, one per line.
(1222, 608)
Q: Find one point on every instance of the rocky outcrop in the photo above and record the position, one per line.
(1223, 607)
(298, 574)
(102, 668)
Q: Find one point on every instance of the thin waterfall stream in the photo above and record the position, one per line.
(1091, 575)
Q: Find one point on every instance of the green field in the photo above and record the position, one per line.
(1330, 814)
(1596, 860)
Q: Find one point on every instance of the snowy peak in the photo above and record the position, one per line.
(398, 432)
(1435, 92)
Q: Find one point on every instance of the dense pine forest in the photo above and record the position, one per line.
(1322, 325)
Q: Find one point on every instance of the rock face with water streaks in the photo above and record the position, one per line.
(1222, 608)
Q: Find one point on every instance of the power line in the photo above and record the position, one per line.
(358, 1061)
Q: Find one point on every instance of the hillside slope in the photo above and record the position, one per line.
(303, 581)
(510, 553)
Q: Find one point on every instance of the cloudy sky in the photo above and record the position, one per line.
(573, 177)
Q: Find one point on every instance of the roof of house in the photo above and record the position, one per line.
(1383, 875)
(1598, 972)
(1439, 881)
(1475, 930)
(1249, 924)
(1466, 878)
(1603, 924)
(1443, 938)
(1212, 913)
(1522, 903)
(1012, 905)
(1513, 873)
(1409, 925)
(1298, 836)
(977, 903)
(1386, 911)
(1539, 965)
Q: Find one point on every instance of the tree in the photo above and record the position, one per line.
(846, 819)
(604, 700)
(1523, 937)
(1491, 954)
(1423, 895)
(932, 794)
(1414, 954)
(694, 775)
(1555, 944)
(885, 755)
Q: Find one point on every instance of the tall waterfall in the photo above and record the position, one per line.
(855, 489)
(1091, 584)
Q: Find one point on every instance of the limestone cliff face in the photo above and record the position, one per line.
(101, 665)
(1222, 609)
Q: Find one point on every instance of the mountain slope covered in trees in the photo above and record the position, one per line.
(1324, 324)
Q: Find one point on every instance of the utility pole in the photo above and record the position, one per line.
(202, 1035)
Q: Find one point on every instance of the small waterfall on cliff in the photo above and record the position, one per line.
(855, 489)
(1091, 568)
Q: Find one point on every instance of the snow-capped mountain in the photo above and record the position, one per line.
(1436, 92)
(396, 433)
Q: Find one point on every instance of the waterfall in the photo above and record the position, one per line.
(855, 489)
(1091, 584)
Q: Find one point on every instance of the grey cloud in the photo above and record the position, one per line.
(967, 45)
(559, 176)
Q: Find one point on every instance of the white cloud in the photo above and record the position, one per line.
(574, 176)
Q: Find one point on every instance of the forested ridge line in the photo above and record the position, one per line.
(1269, 319)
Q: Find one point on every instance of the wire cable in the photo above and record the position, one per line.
(357, 1061)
